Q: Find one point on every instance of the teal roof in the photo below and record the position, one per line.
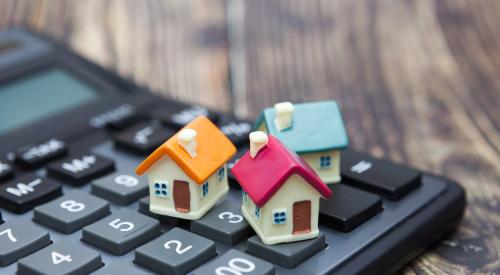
(316, 127)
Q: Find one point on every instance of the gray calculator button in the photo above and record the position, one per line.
(121, 232)
(121, 268)
(236, 262)
(224, 224)
(20, 238)
(176, 252)
(286, 254)
(71, 212)
(63, 257)
(121, 187)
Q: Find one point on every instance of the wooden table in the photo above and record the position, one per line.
(418, 81)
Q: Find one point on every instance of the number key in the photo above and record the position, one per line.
(176, 252)
(236, 262)
(120, 187)
(71, 212)
(224, 224)
(63, 257)
(18, 239)
(121, 232)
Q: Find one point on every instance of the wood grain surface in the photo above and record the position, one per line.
(418, 81)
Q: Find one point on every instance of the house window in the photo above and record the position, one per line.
(204, 189)
(279, 216)
(257, 212)
(244, 195)
(161, 189)
(220, 174)
(325, 161)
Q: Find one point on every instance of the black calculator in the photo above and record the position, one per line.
(71, 135)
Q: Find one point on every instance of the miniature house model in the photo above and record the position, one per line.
(188, 173)
(313, 130)
(281, 192)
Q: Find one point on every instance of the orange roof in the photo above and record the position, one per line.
(213, 149)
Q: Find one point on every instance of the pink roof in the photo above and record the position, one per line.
(262, 176)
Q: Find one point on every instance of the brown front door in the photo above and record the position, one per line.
(301, 217)
(182, 197)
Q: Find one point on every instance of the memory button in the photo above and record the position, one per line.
(6, 172)
(37, 154)
(81, 169)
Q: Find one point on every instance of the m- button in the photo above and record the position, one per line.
(23, 194)
(81, 169)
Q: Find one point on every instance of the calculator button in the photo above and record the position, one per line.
(6, 172)
(22, 194)
(62, 257)
(120, 188)
(176, 252)
(120, 268)
(236, 130)
(116, 118)
(390, 180)
(142, 138)
(37, 154)
(81, 169)
(176, 116)
(20, 238)
(224, 223)
(121, 232)
(144, 208)
(236, 262)
(349, 207)
(286, 254)
(71, 212)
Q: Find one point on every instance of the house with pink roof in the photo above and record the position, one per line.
(280, 191)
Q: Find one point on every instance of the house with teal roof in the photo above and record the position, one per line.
(314, 130)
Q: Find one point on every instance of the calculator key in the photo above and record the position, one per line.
(71, 211)
(178, 116)
(116, 118)
(6, 172)
(24, 193)
(236, 130)
(286, 254)
(236, 262)
(144, 208)
(81, 169)
(175, 252)
(164, 220)
(121, 232)
(224, 223)
(62, 257)
(375, 175)
(142, 138)
(349, 207)
(35, 155)
(120, 188)
(121, 268)
(18, 239)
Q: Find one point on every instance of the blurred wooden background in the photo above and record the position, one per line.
(418, 81)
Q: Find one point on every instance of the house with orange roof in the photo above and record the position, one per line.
(187, 174)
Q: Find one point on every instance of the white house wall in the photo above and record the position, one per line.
(328, 175)
(294, 190)
(166, 170)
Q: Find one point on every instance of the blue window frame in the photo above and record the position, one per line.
(161, 189)
(325, 161)
(244, 195)
(220, 174)
(279, 216)
(257, 212)
(204, 189)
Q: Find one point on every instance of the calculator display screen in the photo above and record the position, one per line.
(39, 95)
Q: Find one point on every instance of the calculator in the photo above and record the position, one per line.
(71, 135)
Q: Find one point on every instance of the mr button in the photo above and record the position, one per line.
(81, 169)
(27, 192)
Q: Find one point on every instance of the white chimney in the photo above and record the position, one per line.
(284, 112)
(258, 140)
(187, 140)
